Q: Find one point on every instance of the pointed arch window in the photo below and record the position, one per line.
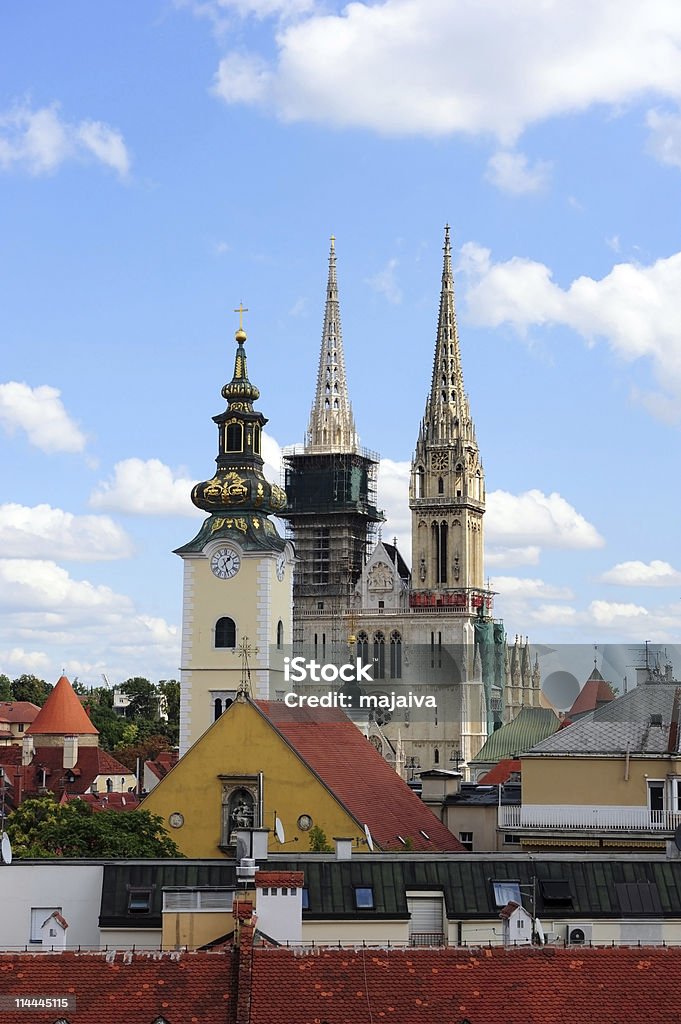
(420, 482)
(363, 648)
(280, 635)
(379, 655)
(440, 485)
(436, 756)
(440, 537)
(256, 439)
(225, 632)
(395, 655)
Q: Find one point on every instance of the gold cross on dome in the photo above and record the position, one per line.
(241, 309)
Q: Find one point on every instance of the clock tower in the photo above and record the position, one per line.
(237, 598)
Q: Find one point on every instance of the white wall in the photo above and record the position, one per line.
(76, 889)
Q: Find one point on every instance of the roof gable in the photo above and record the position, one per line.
(351, 767)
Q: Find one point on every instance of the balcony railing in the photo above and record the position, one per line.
(585, 819)
(427, 939)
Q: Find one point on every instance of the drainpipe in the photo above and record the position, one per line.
(626, 763)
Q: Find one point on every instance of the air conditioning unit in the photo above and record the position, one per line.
(579, 934)
(246, 869)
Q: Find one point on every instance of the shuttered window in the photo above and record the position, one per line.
(426, 920)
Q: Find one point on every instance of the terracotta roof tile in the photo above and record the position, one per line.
(62, 714)
(484, 986)
(500, 773)
(293, 878)
(112, 988)
(595, 692)
(359, 777)
(18, 711)
(91, 762)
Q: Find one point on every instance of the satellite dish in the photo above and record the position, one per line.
(6, 848)
(677, 837)
(370, 842)
(539, 932)
(279, 830)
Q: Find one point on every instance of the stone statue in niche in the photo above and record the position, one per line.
(380, 577)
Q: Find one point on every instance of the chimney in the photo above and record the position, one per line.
(343, 848)
(70, 751)
(244, 926)
(26, 751)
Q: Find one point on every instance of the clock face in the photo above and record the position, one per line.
(281, 567)
(225, 563)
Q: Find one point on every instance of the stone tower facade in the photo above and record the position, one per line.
(331, 492)
(238, 571)
(447, 494)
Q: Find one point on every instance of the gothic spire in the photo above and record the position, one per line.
(331, 425)
(447, 410)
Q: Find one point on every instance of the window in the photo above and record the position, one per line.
(225, 632)
(266, 891)
(379, 656)
(395, 655)
(306, 898)
(320, 606)
(440, 485)
(506, 892)
(363, 648)
(234, 437)
(284, 891)
(217, 708)
(364, 897)
(21, 726)
(467, 841)
(436, 756)
(39, 916)
(280, 635)
(139, 901)
(256, 439)
(510, 839)
(556, 892)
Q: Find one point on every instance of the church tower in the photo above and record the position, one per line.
(447, 493)
(331, 491)
(237, 613)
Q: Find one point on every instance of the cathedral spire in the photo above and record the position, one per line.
(447, 410)
(331, 423)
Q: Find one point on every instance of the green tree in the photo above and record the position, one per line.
(318, 841)
(146, 749)
(143, 697)
(42, 827)
(5, 687)
(169, 690)
(31, 688)
(112, 728)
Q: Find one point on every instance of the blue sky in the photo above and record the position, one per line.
(161, 162)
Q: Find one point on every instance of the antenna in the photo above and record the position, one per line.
(279, 830)
(370, 841)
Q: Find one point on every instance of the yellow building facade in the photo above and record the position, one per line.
(242, 758)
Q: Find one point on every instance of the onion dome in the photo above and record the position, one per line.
(238, 496)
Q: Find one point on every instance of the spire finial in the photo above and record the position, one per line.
(240, 335)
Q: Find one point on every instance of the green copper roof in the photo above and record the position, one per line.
(529, 727)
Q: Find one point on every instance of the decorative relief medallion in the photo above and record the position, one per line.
(380, 577)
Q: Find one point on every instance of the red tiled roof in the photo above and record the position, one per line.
(522, 985)
(62, 714)
(162, 763)
(105, 801)
(595, 692)
(18, 711)
(500, 773)
(359, 777)
(112, 988)
(293, 878)
(91, 762)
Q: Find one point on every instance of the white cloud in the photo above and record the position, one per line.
(664, 139)
(613, 615)
(46, 532)
(385, 284)
(393, 489)
(40, 140)
(511, 172)
(518, 587)
(84, 627)
(636, 309)
(145, 488)
(106, 144)
(390, 67)
(23, 661)
(642, 574)
(242, 78)
(507, 557)
(537, 519)
(41, 414)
